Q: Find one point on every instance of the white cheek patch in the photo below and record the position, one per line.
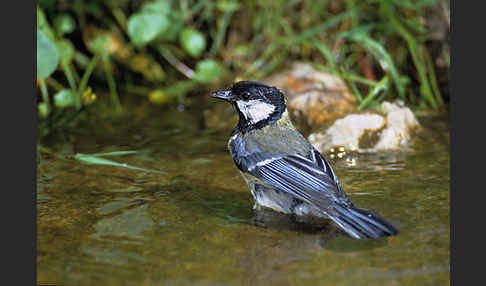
(242, 106)
(255, 110)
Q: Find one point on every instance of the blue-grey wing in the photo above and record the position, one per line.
(309, 178)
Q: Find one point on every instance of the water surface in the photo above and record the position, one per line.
(194, 223)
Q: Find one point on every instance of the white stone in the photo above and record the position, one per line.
(347, 131)
(400, 121)
(394, 130)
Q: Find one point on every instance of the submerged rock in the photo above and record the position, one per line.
(369, 132)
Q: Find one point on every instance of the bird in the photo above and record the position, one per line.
(283, 171)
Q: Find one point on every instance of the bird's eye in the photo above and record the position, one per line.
(246, 95)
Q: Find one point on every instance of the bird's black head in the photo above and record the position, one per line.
(257, 104)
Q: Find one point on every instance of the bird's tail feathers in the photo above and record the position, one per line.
(361, 224)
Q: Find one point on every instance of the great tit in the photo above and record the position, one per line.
(283, 170)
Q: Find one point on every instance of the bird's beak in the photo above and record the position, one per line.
(223, 94)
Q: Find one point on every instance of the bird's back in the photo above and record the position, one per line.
(273, 140)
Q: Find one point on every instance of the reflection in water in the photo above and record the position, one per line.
(327, 235)
(274, 220)
(111, 254)
(130, 224)
(373, 162)
(117, 204)
(345, 244)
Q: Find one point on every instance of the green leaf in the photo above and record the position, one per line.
(226, 5)
(176, 25)
(192, 41)
(43, 25)
(43, 109)
(159, 96)
(66, 51)
(100, 43)
(144, 27)
(65, 98)
(47, 55)
(64, 24)
(208, 70)
(162, 7)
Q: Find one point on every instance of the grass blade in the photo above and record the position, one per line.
(111, 82)
(115, 153)
(326, 53)
(95, 160)
(415, 52)
(382, 55)
(381, 86)
(294, 40)
(222, 30)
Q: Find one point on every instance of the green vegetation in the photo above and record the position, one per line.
(96, 159)
(164, 49)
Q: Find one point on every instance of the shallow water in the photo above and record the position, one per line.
(194, 223)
